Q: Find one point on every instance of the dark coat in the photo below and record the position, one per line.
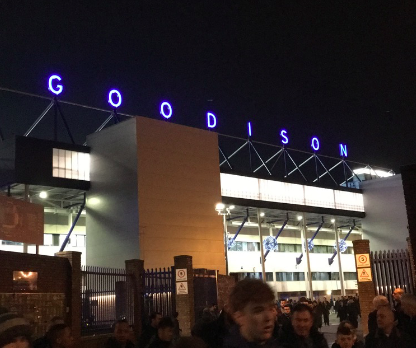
(357, 344)
(396, 339)
(113, 343)
(147, 335)
(372, 321)
(289, 339)
(156, 342)
(213, 333)
(235, 340)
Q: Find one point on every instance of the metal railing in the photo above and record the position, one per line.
(391, 270)
(159, 291)
(107, 295)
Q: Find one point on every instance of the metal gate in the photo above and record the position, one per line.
(159, 291)
(391, 269)
(107, 295)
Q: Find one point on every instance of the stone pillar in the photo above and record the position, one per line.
(185, 302)
(135, 268)
(365, 289)
(74, 301)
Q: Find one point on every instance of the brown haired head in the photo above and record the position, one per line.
(249, 291)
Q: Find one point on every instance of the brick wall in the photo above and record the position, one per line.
(185, 303)
(365, 289)
(53, 285)
(225, 286)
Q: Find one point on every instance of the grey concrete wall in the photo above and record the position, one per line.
(385, 224)
(112, 202)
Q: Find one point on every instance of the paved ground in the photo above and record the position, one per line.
(331, 330)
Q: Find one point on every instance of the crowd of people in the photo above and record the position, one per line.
(250, 319)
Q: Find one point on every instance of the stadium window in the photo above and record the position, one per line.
(350, 276)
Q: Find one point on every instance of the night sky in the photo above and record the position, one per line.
(344, 72)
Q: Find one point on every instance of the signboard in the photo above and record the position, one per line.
(182, 288)
(364, 275)
(25, 281)
(21, 221)
(181, 275)
(362, 260)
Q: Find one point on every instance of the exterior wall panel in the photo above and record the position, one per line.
(178, 187)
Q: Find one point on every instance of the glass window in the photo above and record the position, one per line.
(47, 239)
(298, 276)
(269, 276)
(321, 275)
(350, 276)
(71, 164)
(55, 239)
(334, 276)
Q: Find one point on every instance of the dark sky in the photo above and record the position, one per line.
(345, 72)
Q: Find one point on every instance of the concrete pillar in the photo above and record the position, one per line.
(74, 301)
(185, 302)
(135, 268)
(365, 289)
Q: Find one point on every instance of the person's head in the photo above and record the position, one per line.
(15, 332)
(409, 304)
(154, 319)
(60, 336)
(282, 303)
(122, 331)
(302, 319)
(303, 300)
(397, 294)
(380, 300)
(385, 318)
(253, 308)
(286, 309)
(345, 336)
(165, 329)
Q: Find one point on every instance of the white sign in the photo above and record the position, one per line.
(364, 275)
(182, 288)
(362, 260)
(181, 274)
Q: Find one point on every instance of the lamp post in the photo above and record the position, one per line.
(224, 211)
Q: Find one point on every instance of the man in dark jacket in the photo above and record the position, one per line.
(408, 302)
(164, 336)
(150, 330)
(302, 333)
(378, 302)
(253, 309)
(387, 335)
(122, 336)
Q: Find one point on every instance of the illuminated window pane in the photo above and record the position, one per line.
(71, 164)
(68, 160)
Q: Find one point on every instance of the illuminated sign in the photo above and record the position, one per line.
(343, 150)
(211, 120)
(285, 139)
(166, 106)
(315, 143)
(115, 100)
(110, 98)
(59, 88)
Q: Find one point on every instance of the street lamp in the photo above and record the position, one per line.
(223, 210)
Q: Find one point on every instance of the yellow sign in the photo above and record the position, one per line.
(181, 288)
(364, 275)
(362, 260)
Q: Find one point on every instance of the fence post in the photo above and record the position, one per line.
(365, 288)
(135, 268)
(185, 301)
(74, 302)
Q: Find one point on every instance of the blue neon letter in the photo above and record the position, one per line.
(59, 88)
(285, 139)
(162, 110)
(249, 128)
(315, 143)
(343, 150)
(211, 120)
(110, 99)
